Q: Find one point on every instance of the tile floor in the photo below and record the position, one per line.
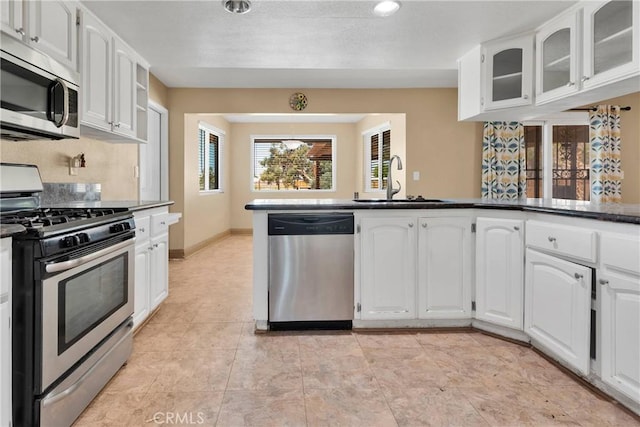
(198, 362)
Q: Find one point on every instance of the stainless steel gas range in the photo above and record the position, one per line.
(72, 292)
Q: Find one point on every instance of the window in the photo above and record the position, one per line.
(557, 153)
(209, 148)
(377, 154)
(293, 163)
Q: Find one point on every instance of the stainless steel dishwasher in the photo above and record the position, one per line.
(311, 271)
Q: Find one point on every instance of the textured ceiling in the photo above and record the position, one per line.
(319, 44)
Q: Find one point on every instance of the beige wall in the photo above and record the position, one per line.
(630, 137)
(111, 165)
(437, 145)
(158, 92)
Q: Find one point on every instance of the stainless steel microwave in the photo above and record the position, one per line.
(39, 96)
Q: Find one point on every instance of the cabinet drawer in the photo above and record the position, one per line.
(573, 242)
(159, 223)
(142, 228)
(621, 252)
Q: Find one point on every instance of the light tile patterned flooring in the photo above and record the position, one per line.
(198, 362)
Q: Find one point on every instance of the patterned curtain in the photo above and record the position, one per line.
(503, 161)
(604, 137)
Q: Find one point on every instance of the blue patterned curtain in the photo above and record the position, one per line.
(503, 161)
(604, 136)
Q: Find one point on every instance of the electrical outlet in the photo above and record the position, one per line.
(136, 171)
(416, 175)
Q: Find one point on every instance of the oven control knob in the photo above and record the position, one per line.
(83, 238)
(70, 241)
(117, 228)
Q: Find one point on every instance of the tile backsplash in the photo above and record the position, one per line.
(60, 192)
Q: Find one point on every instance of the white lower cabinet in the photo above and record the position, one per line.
(5, 332)
(444, 268)
(499, 271)
(388, 268)
(151, 262)
(558, 308)
(620, 314)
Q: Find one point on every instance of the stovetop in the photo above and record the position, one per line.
(36, 219)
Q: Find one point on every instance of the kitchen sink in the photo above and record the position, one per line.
(416, 200)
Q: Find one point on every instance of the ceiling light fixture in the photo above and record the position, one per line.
(237, 6)
(386, 8)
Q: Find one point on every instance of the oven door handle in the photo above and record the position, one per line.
(72, 263)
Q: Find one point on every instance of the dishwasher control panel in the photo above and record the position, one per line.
(310, 224)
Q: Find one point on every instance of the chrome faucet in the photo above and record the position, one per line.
(390, 190)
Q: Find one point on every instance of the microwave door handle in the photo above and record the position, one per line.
(65, 103)
(72, 263)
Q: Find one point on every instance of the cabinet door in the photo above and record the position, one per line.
(124, 90)
(96, 74)
(611, 41)
(52, 29)
(499, 271)
(444, 264)
(5, 365)
(620, 335)
(558, 308)
(142, 282)
(508, 73)
(11, 18)
(159, 288)
(556, 59)
(388, 268)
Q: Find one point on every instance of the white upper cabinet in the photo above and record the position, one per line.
(444, 268)
(96, 73)
(557, 58)
(52, 29)
(124, 89)
(508, 72)
(115, 85)
(611, 41)
(11, 21)
(388, 268)
(500, 271)
(46, 25)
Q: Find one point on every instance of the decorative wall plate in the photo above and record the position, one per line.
(298, 101)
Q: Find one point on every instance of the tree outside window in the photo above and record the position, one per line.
(293, 164)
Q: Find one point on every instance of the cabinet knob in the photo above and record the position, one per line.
(571, 84)
(603, 282)
(515, 227)
(578, 275)
(142, 230)
(551, 239)
(20, 31)
(525, 96)
(116, 125)
(163, 223)
(410, 225)
(150, 248)
(424, 225)
(585, 78)
(35, 39)
(155, 245)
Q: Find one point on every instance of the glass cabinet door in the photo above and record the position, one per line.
(508, 72)
(556, 53)
(610, 40)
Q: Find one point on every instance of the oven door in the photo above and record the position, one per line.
(85, 299)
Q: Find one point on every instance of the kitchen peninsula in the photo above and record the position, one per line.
(562, 275)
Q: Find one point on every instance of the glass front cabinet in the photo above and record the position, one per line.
(611, 41)
(557, 58)
(508, 72)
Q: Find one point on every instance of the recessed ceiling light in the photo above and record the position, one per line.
(386, 8)
(237, 6)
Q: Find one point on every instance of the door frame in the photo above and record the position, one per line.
(164, 150)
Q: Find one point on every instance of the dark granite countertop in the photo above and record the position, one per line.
(8, 230)
(615, 212)
(132, 205)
